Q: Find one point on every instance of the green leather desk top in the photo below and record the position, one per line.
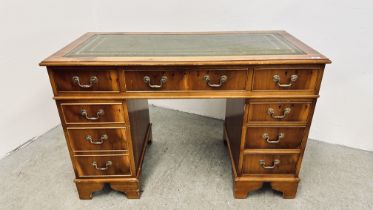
(128, 45)
(201, 48)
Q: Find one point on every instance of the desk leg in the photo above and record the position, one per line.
(243, 188)
(86, 189)
(288, 189)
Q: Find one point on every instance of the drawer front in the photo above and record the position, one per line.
(284, 79)
(218, 79)
(270, 163)
(105, 165)
(274, 137)
(279, 111)
(88, 113)
(155, 80)
(86, 80)
(97, 139)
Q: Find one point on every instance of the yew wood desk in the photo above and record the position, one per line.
(101, 83)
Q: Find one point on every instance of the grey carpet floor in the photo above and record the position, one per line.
(186, 167)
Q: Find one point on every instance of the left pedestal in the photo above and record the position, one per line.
(107, 140)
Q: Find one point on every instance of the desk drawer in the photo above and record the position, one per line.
(103, 165)
(274, 137)
(86, 80)
(280, 79)
(88, 113)
(218, 79)
(270, 163)
(155, 80)
(97, 139)
(279, 111)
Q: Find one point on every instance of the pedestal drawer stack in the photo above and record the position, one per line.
(275, 126)
(98, 130)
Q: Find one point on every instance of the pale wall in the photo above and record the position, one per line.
(31, 30)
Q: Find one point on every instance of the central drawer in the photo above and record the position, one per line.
(186, 79)
(103, 165)
(148, 80)
(218, 79)
(97, 139)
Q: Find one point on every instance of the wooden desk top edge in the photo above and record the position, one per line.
(311, 56)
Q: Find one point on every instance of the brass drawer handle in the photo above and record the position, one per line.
(162, 81)
(92, 80)
(271, 112)
(276, 79)
(223, 78)
(99, 141)
(84, 113)
(107, 165)
(263, 164)
(279, 137)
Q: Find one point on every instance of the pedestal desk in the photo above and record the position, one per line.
(101, 83)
